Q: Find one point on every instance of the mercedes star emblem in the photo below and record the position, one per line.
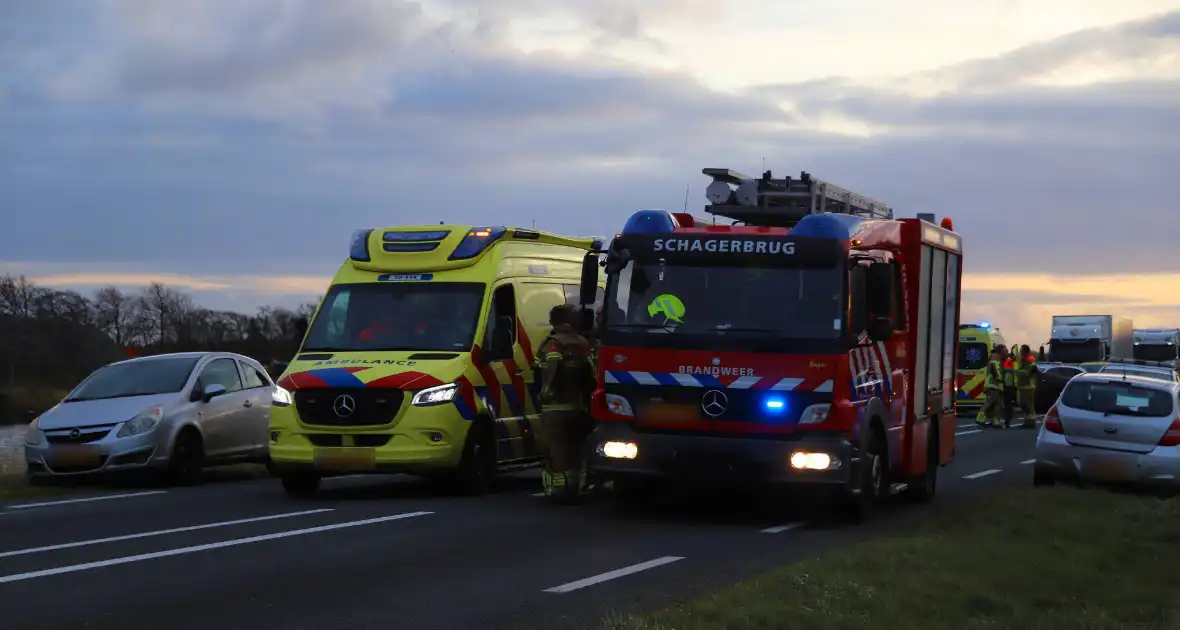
(714, 402)
(75, 434)
(344, 405)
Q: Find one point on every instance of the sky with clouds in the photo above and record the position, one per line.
(230, 147)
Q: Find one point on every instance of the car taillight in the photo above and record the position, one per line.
(1172, 435)
(1053, 421)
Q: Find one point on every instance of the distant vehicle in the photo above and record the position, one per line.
(1092, 366)
(976, 342)
(175, 413)
(1051, 380)
(1157, 344)
(1080, 338)
(1149, 371)
(1112, 428)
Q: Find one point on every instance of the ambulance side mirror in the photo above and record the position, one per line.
(588, 290)
(300, 324)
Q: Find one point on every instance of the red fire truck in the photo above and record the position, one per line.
(811, 342)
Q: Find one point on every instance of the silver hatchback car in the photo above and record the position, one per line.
(1112, 427)
(175, 413)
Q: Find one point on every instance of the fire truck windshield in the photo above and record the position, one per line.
(781, 302)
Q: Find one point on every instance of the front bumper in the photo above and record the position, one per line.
(1064, 461)
(419, 441)
(108, 455)
(696, 458)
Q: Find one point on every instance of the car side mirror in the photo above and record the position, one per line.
(881, 328)
(213, 391)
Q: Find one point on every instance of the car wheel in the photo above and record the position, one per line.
(858, 508)
(477, 465)
(301, 485)
(186, 466)
(922, 489)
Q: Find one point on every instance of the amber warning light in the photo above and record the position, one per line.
(947, 224)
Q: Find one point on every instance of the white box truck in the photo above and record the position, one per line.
(1083, 338)
(1157, 344)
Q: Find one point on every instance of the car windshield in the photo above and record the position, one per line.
(1166, 375)
(1155, 352)
(1119, 398)
(974, 355)
(397, 316)
(790, 303)
(135, 378)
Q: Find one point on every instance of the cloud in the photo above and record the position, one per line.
(232, 138)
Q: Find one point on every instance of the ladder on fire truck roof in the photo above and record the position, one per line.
(783, 202)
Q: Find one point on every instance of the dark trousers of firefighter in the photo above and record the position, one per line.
(564, 439)
(1009, 404)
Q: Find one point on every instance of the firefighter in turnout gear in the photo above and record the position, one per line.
(993, 390)
(1009, 386)
(566, 375)
(1026, 384)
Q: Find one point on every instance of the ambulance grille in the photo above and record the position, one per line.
(370, 407)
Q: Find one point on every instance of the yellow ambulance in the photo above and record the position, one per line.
(976, 342)
(420, 357)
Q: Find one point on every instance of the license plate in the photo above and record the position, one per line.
(350, 459)
(664, 414)
(76, 457)
(1111, 469)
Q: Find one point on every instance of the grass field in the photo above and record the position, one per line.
(1051, 559)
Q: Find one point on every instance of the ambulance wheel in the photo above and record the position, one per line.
(477, 465)
(871, 480)
(300, 485)
(922, 489)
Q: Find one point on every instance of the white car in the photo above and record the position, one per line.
(1112, 427)
(1149, 371)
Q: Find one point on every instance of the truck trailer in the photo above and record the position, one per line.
(1157, 344)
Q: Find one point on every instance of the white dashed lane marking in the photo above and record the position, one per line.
(982, 473)
(1028, 461)
(105, 497)
(778, 529)
(611, 575)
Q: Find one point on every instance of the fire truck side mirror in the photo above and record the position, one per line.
(588, 290)
(858, 311)
(881, 329)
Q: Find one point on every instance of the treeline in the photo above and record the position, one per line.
(50, 339)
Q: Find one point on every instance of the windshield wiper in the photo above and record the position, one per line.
(126, 395)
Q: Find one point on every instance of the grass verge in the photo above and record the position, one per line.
(16, 488)
(1058, 558)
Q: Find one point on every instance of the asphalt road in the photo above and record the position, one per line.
(390, 552)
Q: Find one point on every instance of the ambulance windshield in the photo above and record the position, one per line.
(780, 302)
(397, 316)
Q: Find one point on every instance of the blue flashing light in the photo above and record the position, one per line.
(984, 325)
(650, 222)
(774, 404)
(826, 225)
(358, 250)
(476, 241)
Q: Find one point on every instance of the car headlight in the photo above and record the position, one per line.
(280, 397)
(33, 434)
(142, 423)
(435, 395)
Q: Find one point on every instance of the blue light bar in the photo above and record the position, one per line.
(774, 404)
(650, 222)
(395, 248)
(476, 241)
(984, 325)
(826, 225)
(358, 249)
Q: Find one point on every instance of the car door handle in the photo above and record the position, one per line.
(247, 404)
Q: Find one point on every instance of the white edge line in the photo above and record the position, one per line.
(982, 473)
(1028, 461)
(105, 497)
(73, 568)
(538, 494)
(158, 532)
(778, 529)
(971, 432)
(610, 575)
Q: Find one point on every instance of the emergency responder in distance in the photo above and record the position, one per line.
(993, 402)
(1026, 383)
(567, 379)
(1009, 386)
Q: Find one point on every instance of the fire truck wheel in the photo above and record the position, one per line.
(859, 507)
(922, 488)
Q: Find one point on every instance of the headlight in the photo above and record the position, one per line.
(435, 395)
(33, 434)
(280, 397)
(142, 423)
